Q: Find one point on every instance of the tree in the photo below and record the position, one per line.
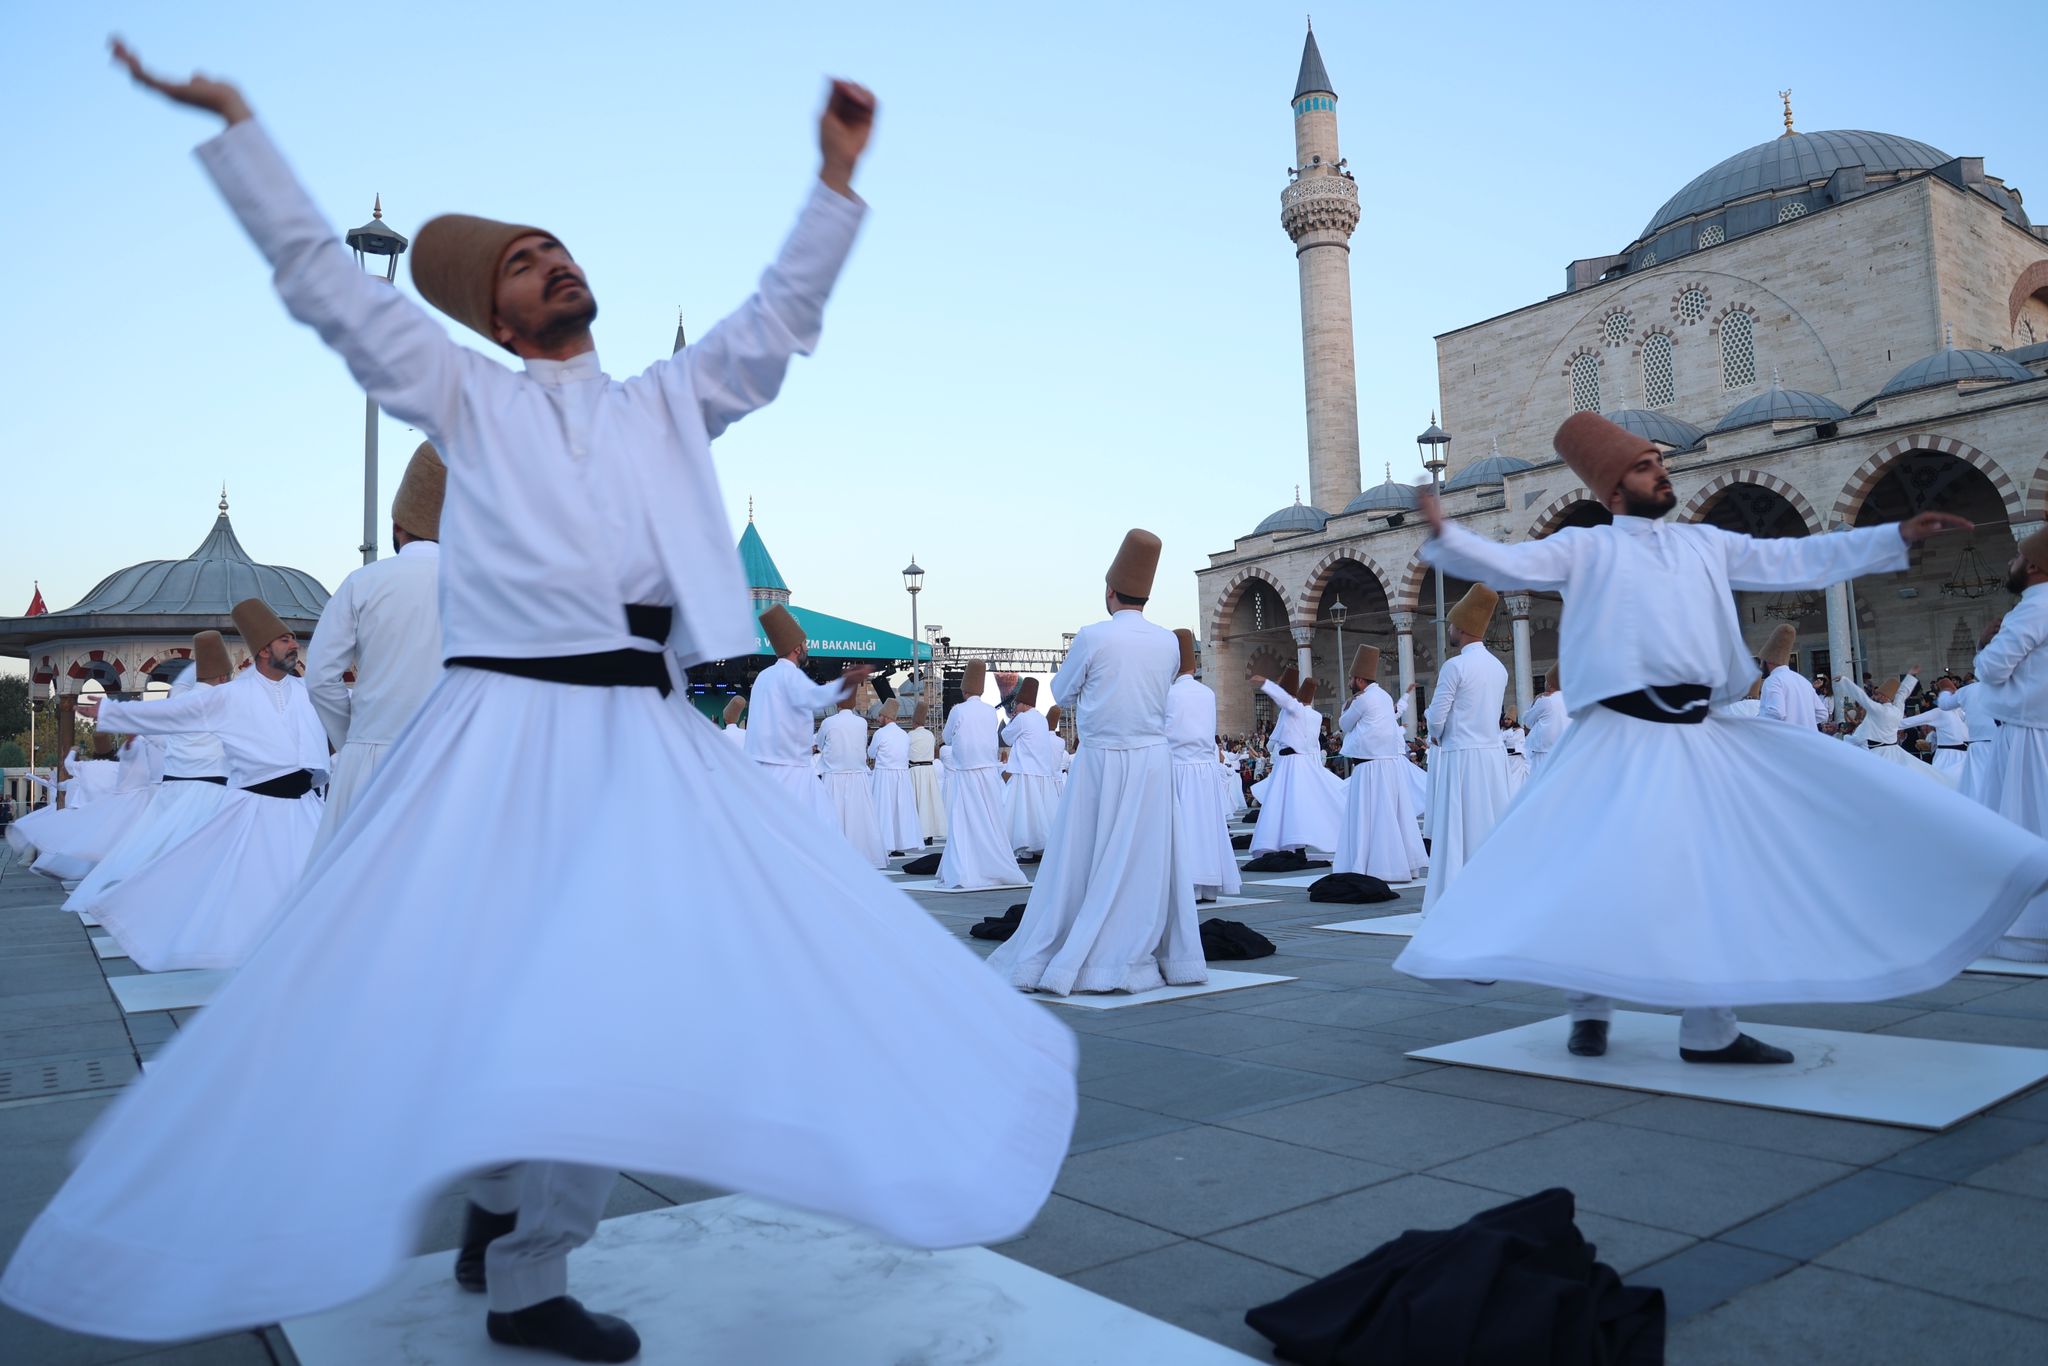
(13, 705)
(12, 755)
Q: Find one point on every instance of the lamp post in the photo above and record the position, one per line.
(1338, 611)
(913, 584)
(1430, 446)
(375, 238)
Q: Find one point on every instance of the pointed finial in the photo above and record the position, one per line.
(1948, 336)
(1311, 23)
(1776, 383)
(223, 497)
(1496, 445)
(1297, 495)
(750, 509)
(1786, 96)
(1390, 471)
(377, 205)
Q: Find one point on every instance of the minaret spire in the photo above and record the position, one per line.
(1786, 96)
(681, 340)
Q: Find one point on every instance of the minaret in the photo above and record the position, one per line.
(1319, 209)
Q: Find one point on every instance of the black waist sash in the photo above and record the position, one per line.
(1285, 752)
(288, 785)
(604, 669)
(183, 778)
(1961, 746)
(920, 763)
(1671, 704)
(1879, 744)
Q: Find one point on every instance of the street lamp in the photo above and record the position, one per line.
(374, 238)
(913, 584)
(1338, 611)
(1430, 446)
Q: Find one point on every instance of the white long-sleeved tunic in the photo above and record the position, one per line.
(1371, 726)
(267, 728)
(1947, 725)
(1115, 679)
(782, 714)
(1881, 720)
(1465, 711)
(2012, 671)
(973, 731)
(1300, 727)
(923, 745)
(1788, 697)
(1022, 735)
(384, 622)
(1191, 721)
(1636, 594)
(843, 742)
(193, 753)
(1546, 719)
(890, 748)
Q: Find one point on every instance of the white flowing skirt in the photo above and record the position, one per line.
(978, 850)
(179, 810)
(853, 811)
(891, 792)
(2017, 790)
(803, 787)
(1518, 771)
(73, 841)
(1951, 762)
(931, 800)
(1418, 787)
(1029, 804)
(354, 766)
(1380, 837)
(1301, 806)
(210, 900)
(1982, 771)
(1202, 816)
(1113, 908)
(1897, 756)
(1729, 863)
(683, 975)
(1468, 793)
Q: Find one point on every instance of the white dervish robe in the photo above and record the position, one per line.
(1468, 764)
(472, 974)
(1380, 837)
(1547, 720)
(1949, 729)
(1656, 866)
(1113, 908)
(1512, 739)
(1201, 813)
(978, 852)
(781, 734)
(1980, 763)
(843, 745)
(2012, 676)
(1789, 698)
(1301, 803)
(1878, 732)
(1030, 798)
(1052, 757)
(89, 780)
(890, 790)
(192, 906)
(73, 841)
(736, 736)
(384, 623)
(924, 782)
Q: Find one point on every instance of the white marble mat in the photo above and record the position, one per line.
(1220, 979)
(85, 919)
(1880, 1078)
(1403, 925)
(741, 1281)
(932, 886)
(1224, 903)
(1293, 880)
(149, 991)
(106, 946)
(2007, 967)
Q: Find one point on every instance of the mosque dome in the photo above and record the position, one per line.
(206, 583)
(1294, 518)
(1391, 496)
(1661, 428)
(1492, 471)
(1950, 366)
(1782, 405)
(1794, 161)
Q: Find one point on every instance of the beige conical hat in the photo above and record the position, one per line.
(1365, 662)
(1778, 649)
(1136, 563)
(1188, 662)
(784, 635)
(416, 508)
(455, 263)
(733, 707)
(258, 624)
(973, 678)
(1027, 693)
(1474, 611)
(210, 657)
(1599, 451)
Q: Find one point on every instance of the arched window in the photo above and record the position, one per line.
(1586, 384)
(1791, 209)
(1713, 235)
(1738, 350)
(1658, 381)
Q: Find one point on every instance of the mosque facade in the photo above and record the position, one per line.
(1823, 331)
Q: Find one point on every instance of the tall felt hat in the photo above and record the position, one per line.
(1888, 689)
(1475, 610)
(1599, 452)
(1187, 649)
(2034, 550)
(1027, 693)
(1365, 662)
(257, 623)
(888, 711)
(1290, 680)
(104, 743)
(1137, 561)
(416, 509)
(733, 707)
(455, 262)
(784, 635)
(210, 656)
(1053, 714)
(1307, 695)
(917, 717)
(973, 678)
(1778, 649)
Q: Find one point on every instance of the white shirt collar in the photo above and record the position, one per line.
(568, 371)
(1637, 526)
(431, 548)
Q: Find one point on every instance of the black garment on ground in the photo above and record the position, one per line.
(927, 863)
(1243, 841)
(1352, 889)
(1514, 1286)
(1231, 940)
(998, 926)
(1284, 861)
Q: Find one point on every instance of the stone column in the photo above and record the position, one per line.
(1838, 638)
(1404, 655)
(1304, 657)
(1525, 682)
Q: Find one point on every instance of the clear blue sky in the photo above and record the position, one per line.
(1073, 294)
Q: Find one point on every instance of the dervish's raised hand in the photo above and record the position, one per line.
(843, 131)
(201, 92)
(1258, 681)
(1918, 528)
(1432, 510)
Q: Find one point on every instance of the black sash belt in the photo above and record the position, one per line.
(290, 785)
(1880, 744)
(604, 669)
(1963, 746)
(182, 778)
(1673, 704)
(920, 763)
(1285, 752)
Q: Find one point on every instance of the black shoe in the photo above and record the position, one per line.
(566, 1328)
(1589, 1039)
(479, 1228)
(1743, 1050)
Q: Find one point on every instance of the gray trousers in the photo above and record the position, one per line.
(558, 1204)
(1700, 1027)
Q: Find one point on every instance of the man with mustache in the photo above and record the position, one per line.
(2012, 678)
(1643, 872)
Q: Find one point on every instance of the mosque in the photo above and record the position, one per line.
(1822, 331)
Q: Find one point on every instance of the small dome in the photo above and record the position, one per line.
(1388, 497)
(1950, 366)
(1792, 162)
(1661, 428)
(1493, 471)
(1295, 517)
(1782, 405)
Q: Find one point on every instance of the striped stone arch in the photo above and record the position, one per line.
(2037, 493)
(2032, 281)
(1553, 513)
(1697, 507)
(1870, 471)
(1412, 579)
(1304, 613)
(1226, 601)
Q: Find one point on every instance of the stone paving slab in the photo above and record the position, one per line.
(1985, 1247)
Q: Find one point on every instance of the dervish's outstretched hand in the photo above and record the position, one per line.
(201, 92)
(843, 131)
(1432, 509)
(1918, 528)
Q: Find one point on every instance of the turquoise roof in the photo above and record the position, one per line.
(757, 563)
(837, 638)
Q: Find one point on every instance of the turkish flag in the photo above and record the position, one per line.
(36, 606)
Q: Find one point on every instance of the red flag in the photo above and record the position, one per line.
(36, 606)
